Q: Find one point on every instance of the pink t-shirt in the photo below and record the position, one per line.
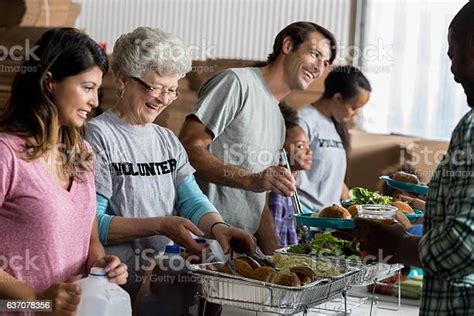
(44, 229)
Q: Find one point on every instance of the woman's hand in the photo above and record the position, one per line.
(224, 234)
(179, 230)
(65, 297)
(117, 272)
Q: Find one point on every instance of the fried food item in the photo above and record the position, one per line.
(335, 211)
(403, 207)
(353, 210)
(242, 267)
(286, 278)
(226, 268)
(254, 264)
(405, 177)
(264, 274)
(305, 280)
(305, 274)
(289, 276)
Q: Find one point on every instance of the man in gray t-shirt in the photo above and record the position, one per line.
(234, 134)
(247, 136)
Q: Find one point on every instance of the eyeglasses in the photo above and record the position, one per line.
(156, 91)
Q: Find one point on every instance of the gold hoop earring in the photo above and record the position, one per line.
(120, 93)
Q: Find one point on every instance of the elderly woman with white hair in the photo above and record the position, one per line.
(146, 191)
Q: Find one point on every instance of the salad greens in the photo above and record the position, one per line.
(325, 245)
(363, 196)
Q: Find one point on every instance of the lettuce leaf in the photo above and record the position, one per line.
(363, 196)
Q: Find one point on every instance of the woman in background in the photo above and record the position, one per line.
(325, 122)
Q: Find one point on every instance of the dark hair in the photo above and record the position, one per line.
(289, 115)
(298, 32)
(346, 80)
(31, 112)
(462, 25)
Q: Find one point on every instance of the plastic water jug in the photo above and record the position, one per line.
(100, 297)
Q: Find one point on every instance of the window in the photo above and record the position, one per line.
(405, 58)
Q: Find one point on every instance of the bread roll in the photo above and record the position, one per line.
(286, 278)
(405, 177)
(305, 274)
(335, 211)
(403, 207)
(254, 264)
(305, 280)
(226, 268)
(243, 268)
(264, 274)
(353, 210)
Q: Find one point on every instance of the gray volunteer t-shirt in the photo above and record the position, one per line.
(240, 110)
(321, 186)
(139, 170)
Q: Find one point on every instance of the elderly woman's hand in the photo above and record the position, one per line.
(117, 272)
(224, 234)
(179, 230)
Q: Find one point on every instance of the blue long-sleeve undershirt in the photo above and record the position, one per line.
(192, 204)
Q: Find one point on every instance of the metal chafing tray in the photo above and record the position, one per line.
(369, 272)
(221, 288)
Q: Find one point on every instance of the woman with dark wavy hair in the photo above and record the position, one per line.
(47, 193)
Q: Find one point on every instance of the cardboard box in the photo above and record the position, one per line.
(425, 155)
(374, 155)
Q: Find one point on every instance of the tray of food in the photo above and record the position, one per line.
(406, 182)
(322, 222)
(343, 253)
(334, 216)
(341, 216)
(409, 288)
(293, 286)
(361, 196)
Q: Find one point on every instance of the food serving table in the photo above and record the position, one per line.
(253, 295)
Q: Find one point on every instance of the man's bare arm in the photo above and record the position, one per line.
(196, 138)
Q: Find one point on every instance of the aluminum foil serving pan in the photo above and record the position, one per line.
(221, 288)
(369, 272)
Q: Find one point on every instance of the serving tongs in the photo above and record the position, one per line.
(294, 198)
(257, 255)
(304, 231)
